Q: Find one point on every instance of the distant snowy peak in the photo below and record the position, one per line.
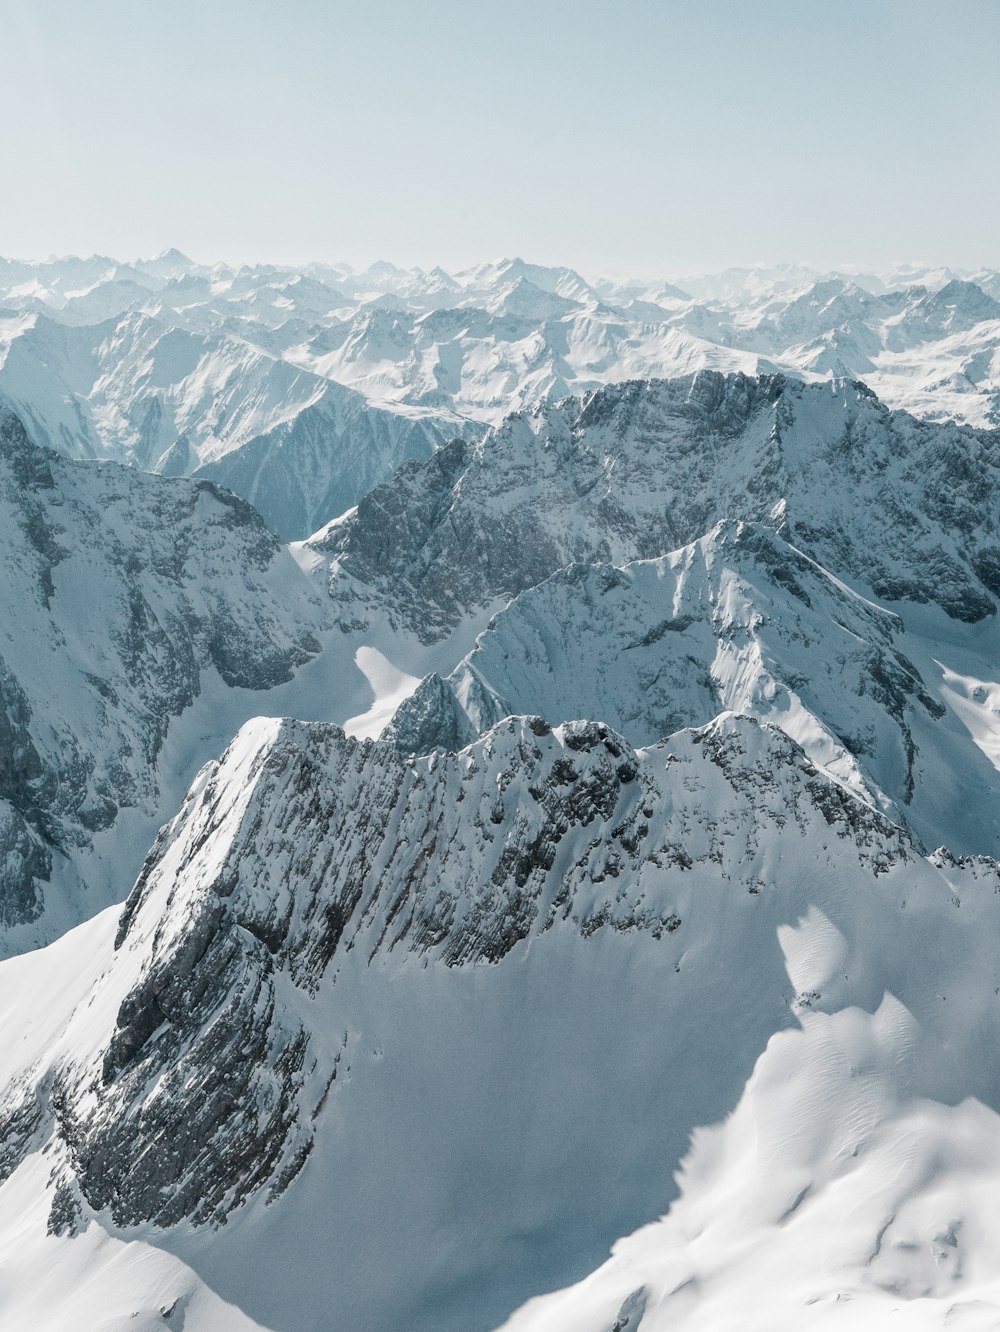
(528, 301)
(956, 307)
(564, 282)
(167, 265)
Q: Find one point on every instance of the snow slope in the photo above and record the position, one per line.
(847, 1189)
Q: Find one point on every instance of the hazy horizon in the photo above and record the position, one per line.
(881, 271)
(652, 139)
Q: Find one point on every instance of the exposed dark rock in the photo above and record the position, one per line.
(634, 470)
(431, 718)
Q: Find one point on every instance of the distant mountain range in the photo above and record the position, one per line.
(302, 389)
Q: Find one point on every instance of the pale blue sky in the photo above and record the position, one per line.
(654, 136)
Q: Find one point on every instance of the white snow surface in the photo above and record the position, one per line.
(389, 686)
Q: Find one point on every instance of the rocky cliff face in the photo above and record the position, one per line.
(309, 878)
(120, 592)
(635, 470)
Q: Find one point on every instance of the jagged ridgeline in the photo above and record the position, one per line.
(364, 1013)
(901, 508)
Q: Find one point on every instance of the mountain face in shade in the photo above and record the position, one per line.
(123, 595)
(639, 469)
(322, 462)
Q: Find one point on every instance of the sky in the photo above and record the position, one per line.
(627, 137)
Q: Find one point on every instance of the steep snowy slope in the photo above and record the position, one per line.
(426, 1034)
(638, 469)
(123, 597)
(849, 1188)
(326, 459)
(739, 620)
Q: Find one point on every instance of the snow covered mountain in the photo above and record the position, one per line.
(127, 600)
(302, 389)
(364, 1014)
(136, 389)
(636, 470)
(325, 459)
(683, 681)
(744, 622)
(402, 986)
